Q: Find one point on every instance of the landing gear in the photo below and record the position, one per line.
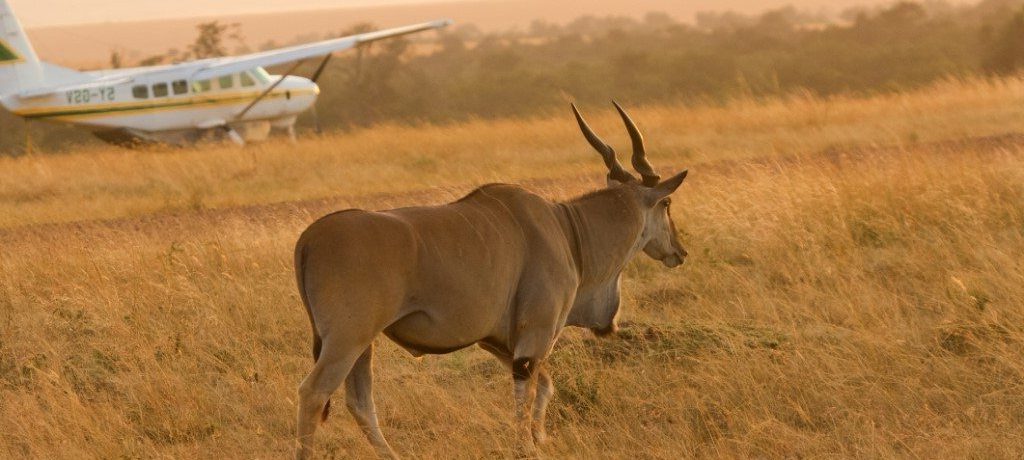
(234, 136)
(291, 134)
(286, 124)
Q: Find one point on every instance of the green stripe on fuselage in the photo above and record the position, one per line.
(83, 111)
(7, 54)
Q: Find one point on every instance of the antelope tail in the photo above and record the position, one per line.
(300, 269)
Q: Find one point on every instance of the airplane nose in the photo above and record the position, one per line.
(297, 84)
(301, 93)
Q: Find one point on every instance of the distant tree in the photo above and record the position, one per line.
(152, 60)
(380, 69)
(658, 20)
(115, 59)
(468, 31)
(451, 43)
(903, 13)
(356, 73)
(358, 28)
(722, 22)
(1007, 52)
(465, 73)
(541, 28)
(174, 55)
(268, 45)
(212, 39)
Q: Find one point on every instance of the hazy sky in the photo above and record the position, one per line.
(37, 13)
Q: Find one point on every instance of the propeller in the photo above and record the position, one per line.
(314, 78)
(232, 134)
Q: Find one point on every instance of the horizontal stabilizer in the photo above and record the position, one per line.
(57, 79)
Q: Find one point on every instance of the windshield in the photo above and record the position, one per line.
(261, 74)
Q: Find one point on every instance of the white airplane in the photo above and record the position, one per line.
(175, 104)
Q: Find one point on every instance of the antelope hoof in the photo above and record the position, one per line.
(528, 452)
(540, 437)
(526, 448)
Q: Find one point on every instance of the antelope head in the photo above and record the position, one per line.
(659, 238)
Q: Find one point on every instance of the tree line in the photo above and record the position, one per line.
(463, 73)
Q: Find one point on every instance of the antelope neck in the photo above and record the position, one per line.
(574, 236)
(602, 234)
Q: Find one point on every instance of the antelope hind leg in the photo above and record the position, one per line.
(359, 399)
(545, 389)
(315, 391)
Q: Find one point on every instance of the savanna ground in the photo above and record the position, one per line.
(855, 289)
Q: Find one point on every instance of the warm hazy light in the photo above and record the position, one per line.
(63, 12)
(41, 13)
(853, 215)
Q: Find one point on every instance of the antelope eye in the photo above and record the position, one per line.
(666, 202)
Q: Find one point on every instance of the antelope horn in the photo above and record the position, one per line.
(640, 163)
(615, 169)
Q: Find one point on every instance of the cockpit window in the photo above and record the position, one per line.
(226, 82)
(247, 79)
(201, 86)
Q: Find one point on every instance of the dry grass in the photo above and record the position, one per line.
(855, 290)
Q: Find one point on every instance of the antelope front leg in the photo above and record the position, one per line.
(523, 396)
(523, 376)
(545, 389)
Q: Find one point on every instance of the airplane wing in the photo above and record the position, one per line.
(229, 65)
(218, 67)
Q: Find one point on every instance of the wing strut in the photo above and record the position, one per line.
(268, 90)
(319, 70)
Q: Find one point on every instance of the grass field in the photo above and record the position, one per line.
(855, 289)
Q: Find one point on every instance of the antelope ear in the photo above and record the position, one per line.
(612, 182)
(665, 188)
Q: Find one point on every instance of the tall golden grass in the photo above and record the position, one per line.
(855, 289)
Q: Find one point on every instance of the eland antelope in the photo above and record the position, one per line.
(502, 268)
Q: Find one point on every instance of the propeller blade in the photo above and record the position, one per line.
(316, 121)
(359, 63)
(316, 76)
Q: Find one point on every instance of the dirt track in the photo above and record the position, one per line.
(188, 222)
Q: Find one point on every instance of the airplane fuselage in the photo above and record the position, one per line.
(151, 107)
(177, 103)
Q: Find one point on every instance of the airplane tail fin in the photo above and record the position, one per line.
(19, 66)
